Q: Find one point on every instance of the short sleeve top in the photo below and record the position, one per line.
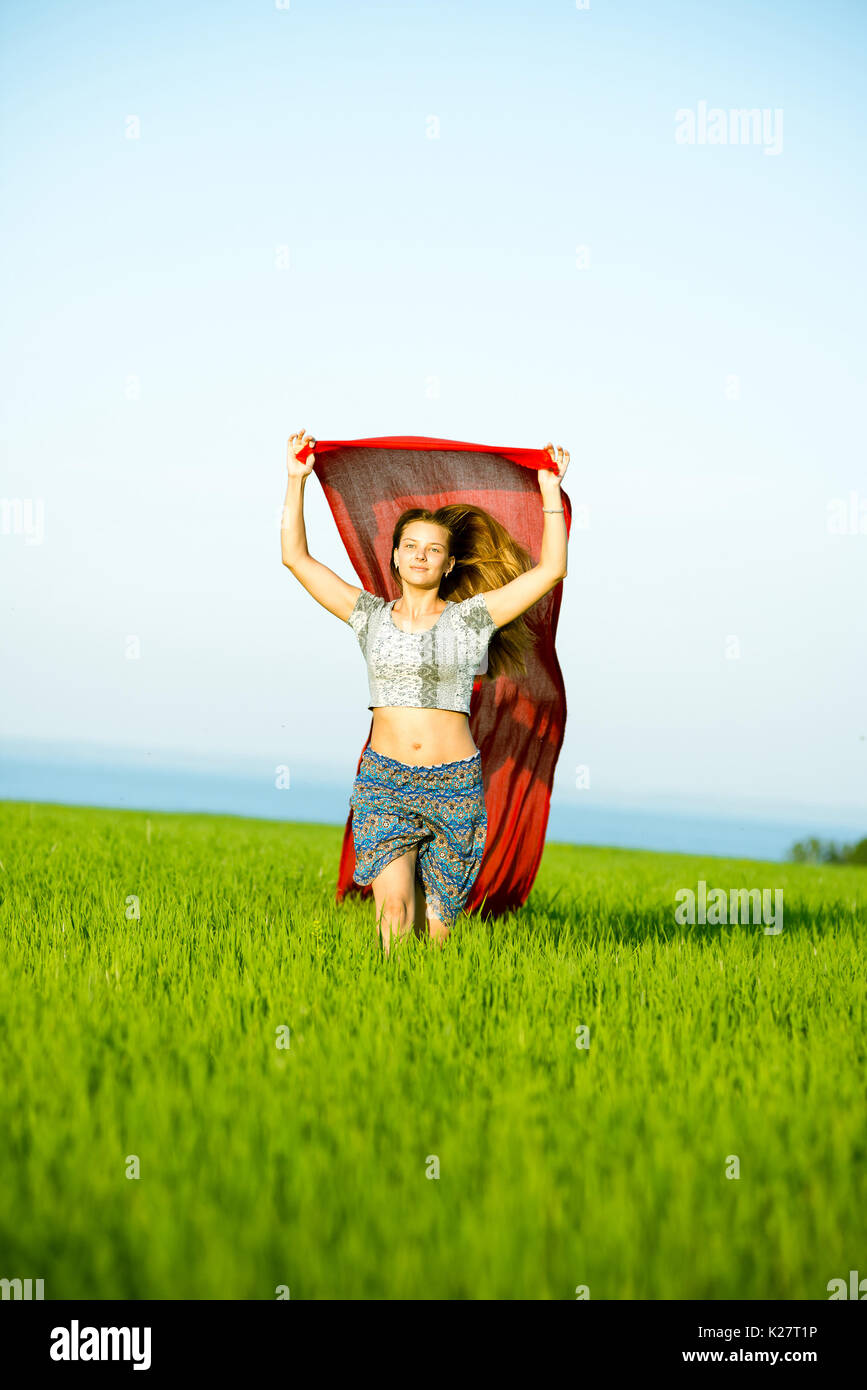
(433, 669)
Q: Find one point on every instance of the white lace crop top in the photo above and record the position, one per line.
(432, 669)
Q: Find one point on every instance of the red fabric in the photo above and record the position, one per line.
(518, 724)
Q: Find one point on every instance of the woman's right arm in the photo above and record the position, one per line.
(326, 587)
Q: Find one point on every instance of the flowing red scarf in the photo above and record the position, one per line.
(518, 724)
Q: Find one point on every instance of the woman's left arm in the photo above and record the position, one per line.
(512, 599)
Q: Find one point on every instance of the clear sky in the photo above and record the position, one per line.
(365, 219)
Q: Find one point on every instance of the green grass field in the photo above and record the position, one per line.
(306, 1166)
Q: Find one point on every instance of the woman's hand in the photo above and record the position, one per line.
(297, 444)
(549, 477)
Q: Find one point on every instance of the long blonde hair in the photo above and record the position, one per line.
(486, 557)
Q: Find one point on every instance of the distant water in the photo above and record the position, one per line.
(135, 784)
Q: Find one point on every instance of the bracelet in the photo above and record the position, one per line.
(553, 509)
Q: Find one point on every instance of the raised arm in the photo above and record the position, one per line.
(326, 587)
(512, 599)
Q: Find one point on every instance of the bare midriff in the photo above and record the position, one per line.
(421, 737)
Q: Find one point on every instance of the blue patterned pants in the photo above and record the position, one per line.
(441, 810)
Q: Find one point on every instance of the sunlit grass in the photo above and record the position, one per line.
(155, 1036)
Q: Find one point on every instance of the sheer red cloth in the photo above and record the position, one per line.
(518, 724)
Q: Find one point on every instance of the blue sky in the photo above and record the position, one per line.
(703, 360)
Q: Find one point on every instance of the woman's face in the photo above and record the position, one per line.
(423, 554)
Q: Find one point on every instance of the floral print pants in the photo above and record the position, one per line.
(440, 809)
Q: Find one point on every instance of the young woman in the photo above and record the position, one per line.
(418, 807)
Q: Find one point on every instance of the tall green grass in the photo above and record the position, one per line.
(307, 1166)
